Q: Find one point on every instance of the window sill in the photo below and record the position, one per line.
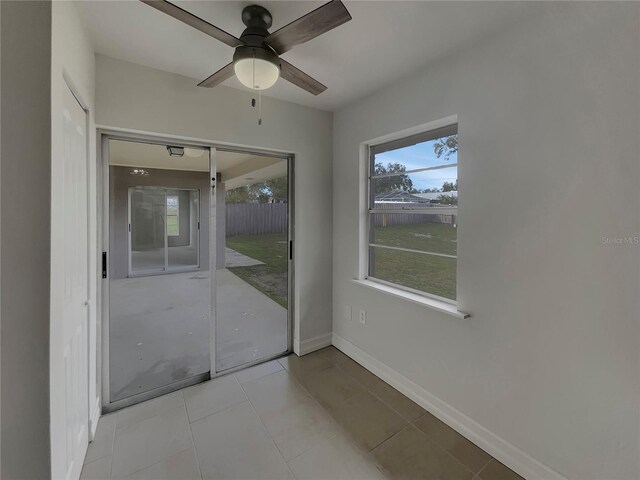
(432, 303)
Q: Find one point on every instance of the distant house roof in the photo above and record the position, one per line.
(435, 195)
(399, 197)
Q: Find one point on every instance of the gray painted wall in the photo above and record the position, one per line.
(119, 183)
(26, 214)
(548, 114)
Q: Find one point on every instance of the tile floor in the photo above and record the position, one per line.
(321, 416)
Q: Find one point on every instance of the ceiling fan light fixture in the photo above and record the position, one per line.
(256, 68)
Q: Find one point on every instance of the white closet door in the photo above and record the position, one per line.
(71, 210)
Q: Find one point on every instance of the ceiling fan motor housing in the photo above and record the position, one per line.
(258, 21)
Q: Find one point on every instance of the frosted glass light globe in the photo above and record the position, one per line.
(266, 73)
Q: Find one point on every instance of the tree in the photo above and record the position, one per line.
(278, 189)
(450, 186)
(446, 147)
(448, 200)
(401, 181)
(274, 190)
(245, 194)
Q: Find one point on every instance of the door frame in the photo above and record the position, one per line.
(104, 134)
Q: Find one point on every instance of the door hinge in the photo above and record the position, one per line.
(104, 264)
(290, 249)
(129, 227)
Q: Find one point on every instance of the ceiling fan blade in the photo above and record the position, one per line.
(298, 77)
(218, 77)
(319, 21)
(194, 21)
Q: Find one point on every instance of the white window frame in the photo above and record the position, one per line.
(367, 149)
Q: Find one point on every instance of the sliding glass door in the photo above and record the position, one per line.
(163, 230)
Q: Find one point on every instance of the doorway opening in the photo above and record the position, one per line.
(253, 261)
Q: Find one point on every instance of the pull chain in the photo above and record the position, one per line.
(253, 100)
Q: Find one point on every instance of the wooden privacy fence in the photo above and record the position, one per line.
(256, 218)
(389, 219)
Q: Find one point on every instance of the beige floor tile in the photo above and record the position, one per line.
(97, 470)
(234, 444)
(335, 459)
(411, 455)
(361, 374)
(470, 455)
(497, 471)
(213, 396)
(396, 400)
(298, 427)
(299, 366)
(331, 386)
(334, 355)
(274, 392)
(149, 441)
(181, 466)
(258, 371)
(102, 444)
(148, 409)
(367, 420)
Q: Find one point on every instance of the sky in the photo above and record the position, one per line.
(421, 156)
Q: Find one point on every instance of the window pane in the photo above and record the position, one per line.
(440, 151)
(172, 205)
(426, 233)
(172, 225)
(430, 188)
(426, 273)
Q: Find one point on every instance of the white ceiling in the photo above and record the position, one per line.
(236, 169)
(385, 41)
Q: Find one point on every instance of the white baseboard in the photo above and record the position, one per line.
(312, 344)
(514, 458)
(93, 421)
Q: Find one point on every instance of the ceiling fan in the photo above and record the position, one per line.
(256, 61)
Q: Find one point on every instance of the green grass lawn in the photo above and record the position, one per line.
(271, 278)
(427, 273)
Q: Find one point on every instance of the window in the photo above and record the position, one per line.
(173, 216)
(413, 199)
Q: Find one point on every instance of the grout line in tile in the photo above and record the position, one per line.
(436, 445)
(266, 430)
(219, 411)
(486, 464)
(193, 443)
(482, 469)
(155, 463)
(113, 444)
(258, 378)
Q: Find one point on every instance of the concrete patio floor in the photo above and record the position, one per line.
(159, 328)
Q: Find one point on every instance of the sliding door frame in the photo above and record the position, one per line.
(104, 135)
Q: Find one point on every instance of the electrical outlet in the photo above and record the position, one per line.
(363, 317)
(347, 313)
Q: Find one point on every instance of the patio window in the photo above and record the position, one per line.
(412, 220)
(173, 215)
